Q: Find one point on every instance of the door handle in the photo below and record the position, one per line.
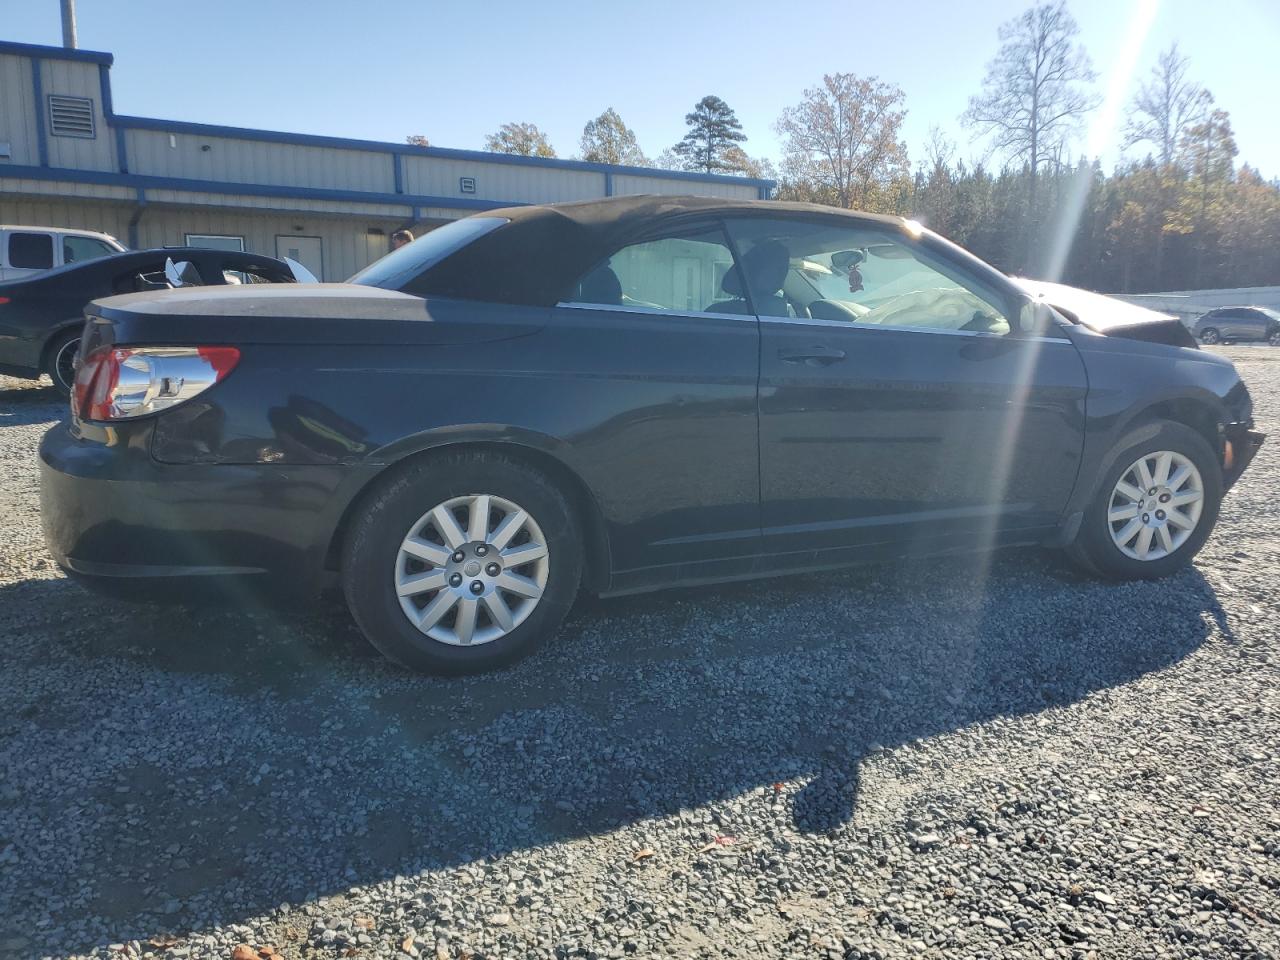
(816, 356)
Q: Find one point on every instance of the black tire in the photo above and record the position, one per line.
(1210, 335)
(1095, 550)
(386, 516)
(60, 361)
(1274, 338)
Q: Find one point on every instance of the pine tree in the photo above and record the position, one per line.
(713, 131)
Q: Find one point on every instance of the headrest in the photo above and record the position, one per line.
(766, 263)
(601, 285)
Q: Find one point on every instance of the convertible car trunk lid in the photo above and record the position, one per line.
(323, 313)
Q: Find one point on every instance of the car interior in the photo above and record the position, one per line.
(815, 275)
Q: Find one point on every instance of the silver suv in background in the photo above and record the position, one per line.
(28, 250)
(1232, 324)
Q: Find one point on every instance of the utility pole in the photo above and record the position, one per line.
(69, 24)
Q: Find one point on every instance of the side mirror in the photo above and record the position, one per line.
(300, 273)
(182, 274)
(1036, 318)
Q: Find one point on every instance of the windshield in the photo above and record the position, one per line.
(400, 266)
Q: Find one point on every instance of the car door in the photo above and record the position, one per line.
(899, 404)
(1253, 325)
(660, 370)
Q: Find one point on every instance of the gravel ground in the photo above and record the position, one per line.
(947, 758)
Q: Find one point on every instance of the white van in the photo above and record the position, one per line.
(28, 250)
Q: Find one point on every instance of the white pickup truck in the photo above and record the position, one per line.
(28, 250)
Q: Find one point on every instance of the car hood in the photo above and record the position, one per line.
(310, 313)
(1109, 316)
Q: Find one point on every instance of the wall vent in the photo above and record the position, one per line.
(71, 116)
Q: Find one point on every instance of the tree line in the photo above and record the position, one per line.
(1183, 216)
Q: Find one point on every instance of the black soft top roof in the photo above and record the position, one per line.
(537, 257)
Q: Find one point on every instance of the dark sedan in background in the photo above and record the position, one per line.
(624, 395)
(1238, 324)
(41, 316)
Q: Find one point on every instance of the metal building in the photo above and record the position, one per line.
(67, 159)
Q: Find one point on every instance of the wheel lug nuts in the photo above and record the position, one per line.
(1164, 498)
(493, 569)
(459, 556)
(1151, 492)
(481, 550)
(1146, 518)
(1159, 514)
(455, 580)
(477, 587)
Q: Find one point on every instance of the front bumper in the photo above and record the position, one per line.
(1241, 445)
(132, 526)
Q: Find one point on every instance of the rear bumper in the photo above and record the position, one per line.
(132, 526)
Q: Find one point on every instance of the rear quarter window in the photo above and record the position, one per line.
(31, 251)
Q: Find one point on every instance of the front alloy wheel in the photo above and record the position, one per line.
(471, 569)
(1156, 505)
(1210, 336)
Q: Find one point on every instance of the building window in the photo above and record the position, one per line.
(71, 116)
(466, 184)
(213, 241)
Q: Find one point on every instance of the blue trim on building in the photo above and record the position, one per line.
(104, 178)
(397, 168)
(42, 136)
(408, 150)
(55, 53)
(104, 84)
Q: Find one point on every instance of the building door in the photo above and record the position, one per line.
(308, 251)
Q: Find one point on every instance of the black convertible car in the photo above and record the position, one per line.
(41, 316)
(624, 395)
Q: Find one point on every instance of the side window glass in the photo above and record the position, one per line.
(32, 251)
(681, 274)
(823, 270)
(75, 249)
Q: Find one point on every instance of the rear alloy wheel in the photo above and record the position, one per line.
(471, 569)
(478, 579)
(1155, 507)
(61, 365)
(1274, 338)
(1210, 335)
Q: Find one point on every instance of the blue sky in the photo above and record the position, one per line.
(381, 69)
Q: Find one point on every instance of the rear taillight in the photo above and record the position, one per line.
(120, 383)
(4, 300)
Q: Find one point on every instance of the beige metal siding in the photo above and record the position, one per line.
(17, 112)
(341, 208)
(105, 217)
(158, 154)
(517, 183)
(71, 78)
(628, 185)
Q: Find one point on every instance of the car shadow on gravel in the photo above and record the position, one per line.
(172, 768)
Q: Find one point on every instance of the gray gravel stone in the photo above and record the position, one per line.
(953, 758)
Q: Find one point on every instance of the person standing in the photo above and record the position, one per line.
(400, 238)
